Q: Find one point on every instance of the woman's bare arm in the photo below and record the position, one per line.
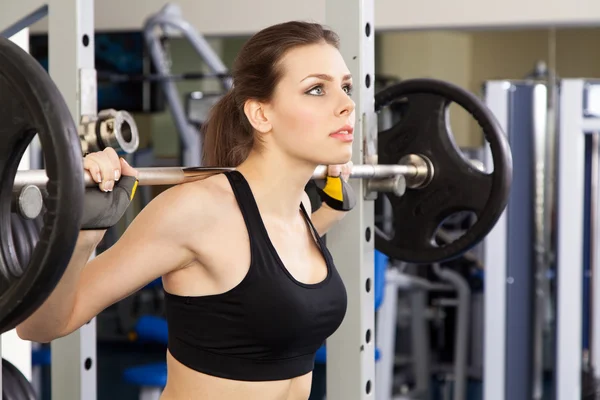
(153, 245)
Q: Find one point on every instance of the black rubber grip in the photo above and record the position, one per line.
(336, 193)
(101, 210)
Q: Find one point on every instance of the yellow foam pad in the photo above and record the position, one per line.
(333, 188)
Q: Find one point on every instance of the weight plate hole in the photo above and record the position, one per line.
(460, 221)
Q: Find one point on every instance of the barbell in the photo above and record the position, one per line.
(416, 172)
(421, 171)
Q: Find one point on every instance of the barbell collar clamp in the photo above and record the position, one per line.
(111, 128)
(27, 201)
(395, 185)
(424, 171)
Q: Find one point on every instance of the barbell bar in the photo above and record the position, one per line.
(414, 173)
(417, 173)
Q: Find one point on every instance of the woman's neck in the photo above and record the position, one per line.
(277, 182)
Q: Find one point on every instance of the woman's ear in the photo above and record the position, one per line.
(255, 112)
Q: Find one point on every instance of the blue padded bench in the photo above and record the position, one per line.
(41, 356)
(147, 375)
(151, 378)
(150, 328)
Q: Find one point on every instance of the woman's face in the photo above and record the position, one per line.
(311, 114)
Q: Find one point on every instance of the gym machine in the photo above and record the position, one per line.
(169, 18)
(541, 258)
(509, 256)
(350, 365)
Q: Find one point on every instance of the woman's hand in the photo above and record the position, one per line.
(342, 170)
(334, 190)
(117, 181)
(105, 167)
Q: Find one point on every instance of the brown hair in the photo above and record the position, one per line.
(228, 135)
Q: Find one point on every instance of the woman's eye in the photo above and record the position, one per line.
(317, 90)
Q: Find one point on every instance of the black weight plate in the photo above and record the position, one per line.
(21, 241)
(15, 386)
(25, 236)
(31, 103)
(32, 230)
(456, 185)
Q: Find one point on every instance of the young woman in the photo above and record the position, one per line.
(251, 290)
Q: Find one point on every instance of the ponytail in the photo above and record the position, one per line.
(227, 137)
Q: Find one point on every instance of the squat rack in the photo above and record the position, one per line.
(351, 350)
(350, 361)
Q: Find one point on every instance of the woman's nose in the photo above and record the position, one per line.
(347, 105)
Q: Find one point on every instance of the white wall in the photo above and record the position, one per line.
(439, 55)
(469, 58)
(440, 14)
(242, 17)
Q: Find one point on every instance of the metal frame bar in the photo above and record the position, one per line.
(591, 273)
(592, 109)
(544, 137)
(576, 102)
(516, 270)
(591, 300)
(495, 260)
(350, 356)
(520, 234)
(72, 68)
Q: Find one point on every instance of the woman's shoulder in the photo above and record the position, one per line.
(205, 198)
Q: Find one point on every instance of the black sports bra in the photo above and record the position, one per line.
(268, 327)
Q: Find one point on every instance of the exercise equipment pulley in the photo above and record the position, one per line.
(422, 173)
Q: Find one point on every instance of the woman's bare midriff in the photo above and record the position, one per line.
(184, 383)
